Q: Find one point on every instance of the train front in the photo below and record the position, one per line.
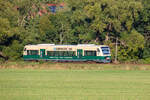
(106, 54)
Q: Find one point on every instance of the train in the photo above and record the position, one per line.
(79, 52)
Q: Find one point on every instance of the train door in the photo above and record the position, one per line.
(42, 53)
(79, 53)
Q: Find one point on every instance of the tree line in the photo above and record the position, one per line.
(126, 22)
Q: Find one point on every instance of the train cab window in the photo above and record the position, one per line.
(105, 50)
(32, 52)
(89, 53)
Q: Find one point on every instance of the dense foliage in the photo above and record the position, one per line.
(80, 21)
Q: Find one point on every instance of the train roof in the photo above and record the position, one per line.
(45, 45)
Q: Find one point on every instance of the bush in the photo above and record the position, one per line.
(145, 61)
(14, 51)
(2, 60)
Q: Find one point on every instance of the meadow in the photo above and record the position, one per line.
(74, 84)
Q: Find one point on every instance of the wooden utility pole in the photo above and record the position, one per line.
(116, 50)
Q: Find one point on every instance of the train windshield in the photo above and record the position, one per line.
(105, 50)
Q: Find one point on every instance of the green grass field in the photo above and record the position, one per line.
(38, 84)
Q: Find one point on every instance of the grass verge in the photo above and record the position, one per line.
(73, 66)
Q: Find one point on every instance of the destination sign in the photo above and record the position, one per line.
(63, 49)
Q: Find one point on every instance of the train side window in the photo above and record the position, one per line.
(28, 52)
(32, 52)
(25, 49)
(50, 53)
(61, 53)
(89, 53)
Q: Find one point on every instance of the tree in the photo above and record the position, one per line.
(143, 26)
(131, 43)
(86, 21)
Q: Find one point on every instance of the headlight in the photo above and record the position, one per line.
(107, 58)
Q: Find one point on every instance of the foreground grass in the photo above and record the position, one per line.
(39, 84)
